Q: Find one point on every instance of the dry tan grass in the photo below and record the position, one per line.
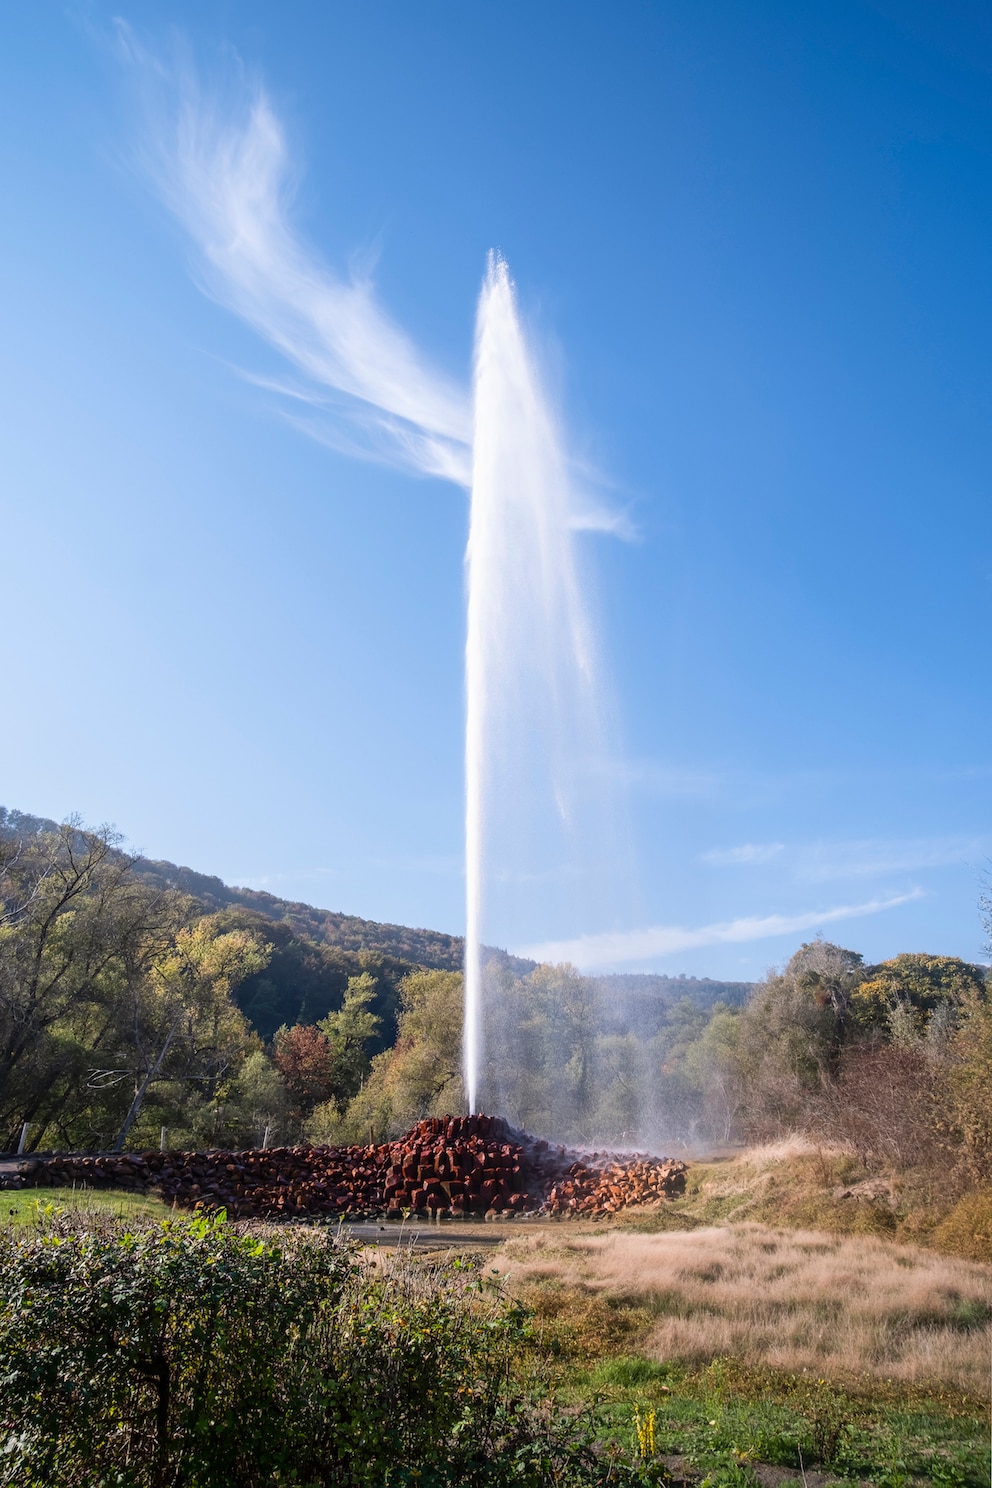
(791, 1299)
(785, 1149)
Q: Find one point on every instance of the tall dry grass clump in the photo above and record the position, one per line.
(837, 1305)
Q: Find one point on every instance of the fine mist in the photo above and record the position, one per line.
(540, 831)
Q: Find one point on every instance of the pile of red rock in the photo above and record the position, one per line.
(617, 1184)
(444, 1168)
(460, 1166)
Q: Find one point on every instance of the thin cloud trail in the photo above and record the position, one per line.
(594, 952)
(222, 168)
(219, 161)
(850, 859)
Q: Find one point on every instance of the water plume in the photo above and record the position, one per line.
(532, 715)
(539, 831)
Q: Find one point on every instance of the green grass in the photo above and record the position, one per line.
(725, 1421)
(24, 1206)
(722, 1422)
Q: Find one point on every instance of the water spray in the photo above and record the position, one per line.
(531, 708)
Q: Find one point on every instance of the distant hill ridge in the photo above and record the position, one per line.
(430, 948)
(348, 932)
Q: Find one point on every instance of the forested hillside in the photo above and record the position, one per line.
(346, 932)
(129, 1003)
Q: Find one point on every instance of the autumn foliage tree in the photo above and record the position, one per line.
(302, 1054)
(326, 1063)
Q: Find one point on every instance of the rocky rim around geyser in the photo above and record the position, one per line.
(449, 1167)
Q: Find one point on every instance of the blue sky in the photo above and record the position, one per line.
(754, 242)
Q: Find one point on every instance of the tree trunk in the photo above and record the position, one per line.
(142, 1090)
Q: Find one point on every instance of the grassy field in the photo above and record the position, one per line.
(23, 1206)
(800, 1183)
(778, 1320)
(794, 1300)
(701, 1343)
(793, 1317)
(764, 1354)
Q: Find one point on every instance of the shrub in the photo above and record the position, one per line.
(886, 1102)
(191, 1354)
(967, 1230)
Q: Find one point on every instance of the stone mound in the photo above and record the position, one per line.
(451, 1167)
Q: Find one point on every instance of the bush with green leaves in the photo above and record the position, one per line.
(193, 1354)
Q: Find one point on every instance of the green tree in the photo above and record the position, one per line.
(422, 1074)
(257, 1101)
(790, 1036)
(968, 1106)
(78, 935)
(186, 1025)
(540, 1050)
(350, 1033)
(717, 1067)
(908, 995)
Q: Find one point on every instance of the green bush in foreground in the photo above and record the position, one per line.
(190, 1354)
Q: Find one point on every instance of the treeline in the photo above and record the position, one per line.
(126, 1008)
(323, 926)
(893, 1059)
(128, 1005)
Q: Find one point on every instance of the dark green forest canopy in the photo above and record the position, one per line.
(307, 979)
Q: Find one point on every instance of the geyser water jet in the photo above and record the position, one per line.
(532, 720)
(536, 813)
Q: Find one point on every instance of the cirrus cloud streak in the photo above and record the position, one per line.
(858, 858)
(619, 948)
(219, 160)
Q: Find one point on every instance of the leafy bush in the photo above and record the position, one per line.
(967, 1230)
(190, 1354)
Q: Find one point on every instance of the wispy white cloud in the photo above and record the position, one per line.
(748, 852)
(590, 512)
(877, 856)
(221, 164)
(594, 952)
(593, 517)
(856, 858)
(219, 160)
